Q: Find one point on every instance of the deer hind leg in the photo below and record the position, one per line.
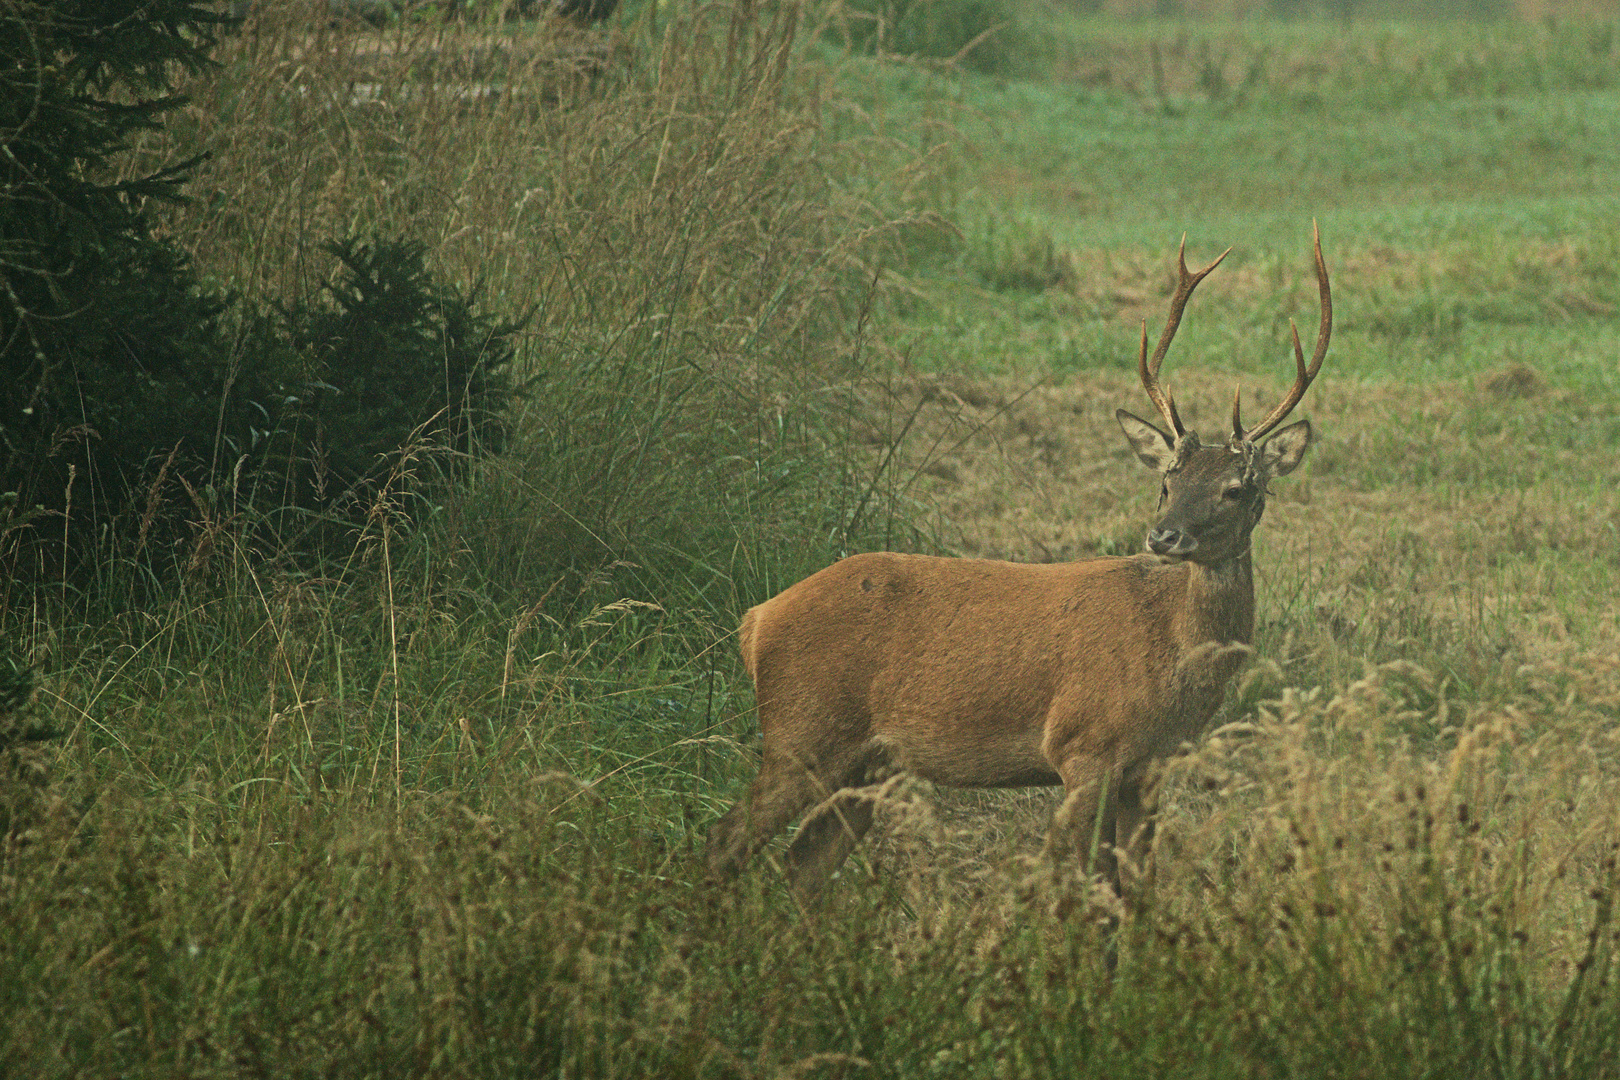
(826, 837)
(784, 789)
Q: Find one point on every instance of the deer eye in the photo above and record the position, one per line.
(1233, 492)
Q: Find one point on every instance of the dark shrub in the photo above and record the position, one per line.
(97, 316)
(118, 367)
(387, 356)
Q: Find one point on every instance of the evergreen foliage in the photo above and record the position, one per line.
(99, 319)
(117, 363)
(393, 354)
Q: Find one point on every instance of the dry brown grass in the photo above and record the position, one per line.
(678, 188)
(1317, 823)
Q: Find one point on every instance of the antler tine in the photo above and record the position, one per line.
(1150, 383)
(1237, 413)
(1303, 375)
(1149, 369)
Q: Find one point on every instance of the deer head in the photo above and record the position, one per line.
(1212, 496)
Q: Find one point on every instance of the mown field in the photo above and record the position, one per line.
(437, 808)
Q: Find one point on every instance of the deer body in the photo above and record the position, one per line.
(977, 673)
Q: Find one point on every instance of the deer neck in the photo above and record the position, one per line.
(1220, 601)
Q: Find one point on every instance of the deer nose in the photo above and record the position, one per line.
(1170, 542)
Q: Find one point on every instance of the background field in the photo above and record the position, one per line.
(436, 808)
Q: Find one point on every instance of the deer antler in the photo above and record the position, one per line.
(1304, 375)
(1149, 369)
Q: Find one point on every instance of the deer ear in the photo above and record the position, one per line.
(1155, 449)
(1286, 449)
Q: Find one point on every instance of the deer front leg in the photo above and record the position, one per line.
(1088, 816)
(1133, 833)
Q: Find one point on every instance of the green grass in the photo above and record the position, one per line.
(1483, 177)
(437, 809)
(1112, 171)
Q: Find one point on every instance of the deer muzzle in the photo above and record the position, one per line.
(1171, 542)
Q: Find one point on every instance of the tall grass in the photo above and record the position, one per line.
(1339, 903)
(694, 252)
(669, 214)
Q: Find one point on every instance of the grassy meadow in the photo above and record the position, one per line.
(437, 807)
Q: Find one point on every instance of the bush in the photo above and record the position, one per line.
(292, 413)
(681, 218)
(390, 357)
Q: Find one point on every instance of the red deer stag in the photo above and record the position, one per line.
(974, 673)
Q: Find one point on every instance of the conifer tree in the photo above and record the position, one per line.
(98, 317)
